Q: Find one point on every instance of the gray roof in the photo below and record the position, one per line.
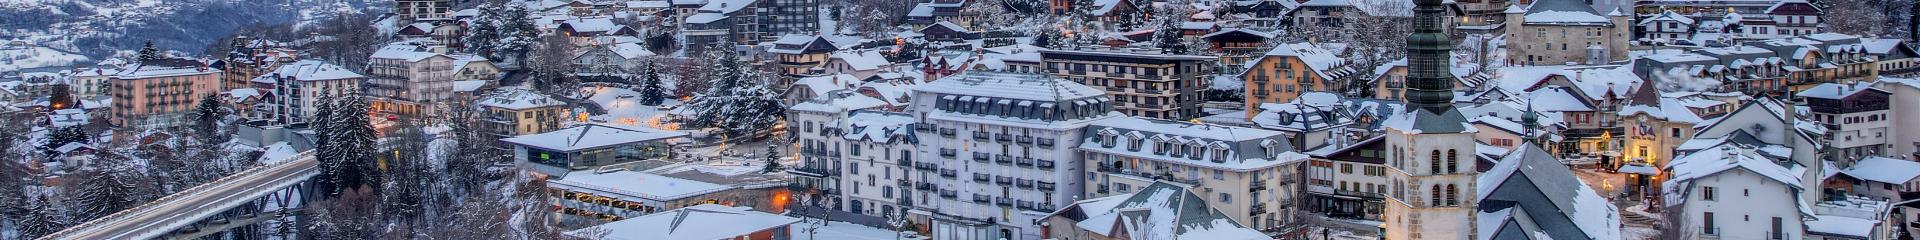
(1535, 181)
(1424, 120)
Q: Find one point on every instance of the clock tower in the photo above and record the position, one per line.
(1430, 146)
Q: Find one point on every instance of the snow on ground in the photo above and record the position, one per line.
(1639, 233)
(624, 108)
(36, 57)
(838, 230)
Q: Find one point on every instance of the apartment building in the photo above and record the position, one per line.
(515, 112)
(411, 78)
(1289, 70)
(1252, 175)
(160, 93)
(1141, 83)
(1004, 146)
(1556, 32)
(299, 88)
(722, 24)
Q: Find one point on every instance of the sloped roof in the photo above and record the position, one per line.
(1552, 183)
(590, 136)
(1564, 12)
(706, 221)
(1165, 211)
(1885, 170)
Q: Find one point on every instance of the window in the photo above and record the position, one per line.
(1346, 168)
(1452, 193)
(1707, 193)
(1226, 198)
(1219, 174)
(1453, 161)
(1434, 195)
(1775, 233)
(1433, 163)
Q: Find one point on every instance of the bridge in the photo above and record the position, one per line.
(249, 197)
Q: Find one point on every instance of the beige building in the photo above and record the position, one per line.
(1142, 84)
(1251, 175)
(410, 78)
(160, 93)
(515, 112)
(300, 86)
(1555, 32)
(1292, 69)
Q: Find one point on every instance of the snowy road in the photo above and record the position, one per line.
(162, 216)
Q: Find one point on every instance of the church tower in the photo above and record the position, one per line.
(1430, 146)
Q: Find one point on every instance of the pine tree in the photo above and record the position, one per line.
(1046, 38)
(112, 184)
(773, 160)
(652, 93)
(207, 117)
(44, 218)
(710, 108)
(408, 187)
(70, 134)
(1168, 38)
(149, 53)
(346, 156)
(329, 181)
(484, 33)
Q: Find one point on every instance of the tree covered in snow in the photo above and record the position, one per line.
(466, 163)
(149, 53)
(652, 90)
(207, 117)
(739, 101)
(347, 154)
(409, 188)
(1168, 35)
(112, 182)
(354, 214)
(349, 39)
(1047, 38)
(42, 217)
(61, 136)
(502, 32)
(1868, 18)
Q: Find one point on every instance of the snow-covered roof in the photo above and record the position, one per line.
(165, 68)
(1312, 111)
(1843, 226)
(1246, 148)
(518, 99)
(862, 60)
(634, 185)
(1324, 62)
(313, 70)
(1553, 182)
(1708, 162)
(1161, 211)
(1668, 15)
(1011, 85)
(705, 221)
(1564, 12)
(1835, 90)
(820, 86)
(405, 51)
(1102, 7)
(705, 17)
(590, 136)
(1885, 170)
(878, 127)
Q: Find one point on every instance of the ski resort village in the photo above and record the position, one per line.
(960, 119)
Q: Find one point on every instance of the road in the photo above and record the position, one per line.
(162, 216)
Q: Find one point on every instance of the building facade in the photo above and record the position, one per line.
(1142, 84)
(1251, 175)
(1554, 32)
(161, 93)
(299, 88)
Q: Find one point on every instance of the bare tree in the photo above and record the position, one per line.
(552, 63)
(1859, 17)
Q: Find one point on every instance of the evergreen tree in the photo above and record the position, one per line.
(347, 156)
(207, 117)
(726, 73)
(652, 92)
(1168, 38)
(484, 31)
(43, 218)
(331, 172)
(149, 53)
(773, 160)
(1046, 38)
(69, 134)
(113, 183)
(411, 178)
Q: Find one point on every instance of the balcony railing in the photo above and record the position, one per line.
(1028, 184)
(1356, 193)
(1003, 138)
(1023, 140)
(1257, 185)
(981, 177)
(1044, 186)
(1003, 201)
(980, 198)
(1101, 189)
(1259, 208)
(949, 153)
(1003, 159)
(949, 194)
(903, 162)
(1003, 181)
(1024, 162)
(1044, 164)
(980, 157)
(948, 173)
(979, 136)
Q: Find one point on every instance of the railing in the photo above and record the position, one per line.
(1024, 162)
(1710, 232)
(1101, 189)
(1259, 208)
(980, 157)
(949, 153)
(1003, 159)
(1003, 181)
(1356, 193)
(979, 198)
(980, 177)
(1258, 184)
(949, 194)
(979, 136)
(1003, 201)
(1023, 140)
(1044, 186)
(1045, 164)
(949, 173)
(1003, 138)
(1044, 142)
(903, 162)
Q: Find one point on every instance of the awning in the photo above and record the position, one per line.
(1638, 169)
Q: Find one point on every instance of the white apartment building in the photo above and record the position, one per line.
(1731, 192)
(299, 87)
(411, 77)
(1252, 175)
(1003, 146)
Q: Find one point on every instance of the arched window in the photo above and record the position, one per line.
(1453, 161)
(1435, 195)
(1453, 195)
(1433, 162)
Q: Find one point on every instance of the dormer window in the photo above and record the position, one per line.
(1219, 153)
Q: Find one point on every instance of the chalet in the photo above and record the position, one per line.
(947, 31)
